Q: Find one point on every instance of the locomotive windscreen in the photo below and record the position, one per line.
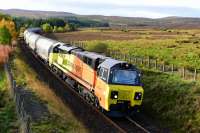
(125, 77)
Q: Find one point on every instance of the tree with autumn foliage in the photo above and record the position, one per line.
(6, 23)
(7, 34)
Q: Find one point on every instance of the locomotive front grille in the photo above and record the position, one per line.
(124, 95)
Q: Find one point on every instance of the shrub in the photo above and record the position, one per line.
(60, 29)
(55, 29)
(72, 27)
(173, 101)
(98, 47)
(47, 27)
(5, 36)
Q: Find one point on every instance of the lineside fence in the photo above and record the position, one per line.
(18, 96)
(192, 74)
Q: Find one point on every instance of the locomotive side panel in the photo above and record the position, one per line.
(101, 91)
(78, 67)
(88, 74)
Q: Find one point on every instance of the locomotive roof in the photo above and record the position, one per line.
(92, 55)
(67, 47)
(34, 30)
(109, 63)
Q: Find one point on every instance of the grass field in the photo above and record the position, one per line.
(178, 47)
(8, 118)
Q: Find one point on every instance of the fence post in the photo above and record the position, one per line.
(130, 59)
(110, 52)
(172, 68)
(141, 61)
(121, 57)
(195, 74)
(135, 60)
(125, 57)
(148, 62)
(28, 121)
(163, 68)
(183, 72)
(82, 44)
(156, 63)
(115, 55)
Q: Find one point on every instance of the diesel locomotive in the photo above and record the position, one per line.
(111, 85)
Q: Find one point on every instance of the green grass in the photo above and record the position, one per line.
(2, 78)
(168, 51)
(8, 119)
(175, 102)
(52, 124)
(182, 50)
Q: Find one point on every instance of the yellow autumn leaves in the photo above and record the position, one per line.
(10, 25)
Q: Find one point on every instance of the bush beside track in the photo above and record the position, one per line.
(172, 100)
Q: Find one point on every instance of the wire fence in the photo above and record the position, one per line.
(20, 102)
(151, 64)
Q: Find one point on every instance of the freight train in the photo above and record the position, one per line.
(111, 85)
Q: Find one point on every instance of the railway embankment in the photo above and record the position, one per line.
(29, 108)
(38, 109)
(8, 115)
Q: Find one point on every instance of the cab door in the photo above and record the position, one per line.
(101, 88)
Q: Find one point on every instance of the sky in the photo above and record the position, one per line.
(127, 8)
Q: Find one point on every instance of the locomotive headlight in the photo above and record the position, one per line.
(114, 94)
(138, 96)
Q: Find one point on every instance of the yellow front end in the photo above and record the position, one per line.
(126, 95)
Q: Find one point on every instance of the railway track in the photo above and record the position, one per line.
(122, 125)
(137, 124)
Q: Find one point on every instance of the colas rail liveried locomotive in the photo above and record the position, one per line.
(113, 86)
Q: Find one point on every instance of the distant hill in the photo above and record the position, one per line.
(169, 22)
(35, 14)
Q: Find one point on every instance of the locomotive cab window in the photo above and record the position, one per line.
(55, 50)
(125, 77)
(103, 73)
(88, 61)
